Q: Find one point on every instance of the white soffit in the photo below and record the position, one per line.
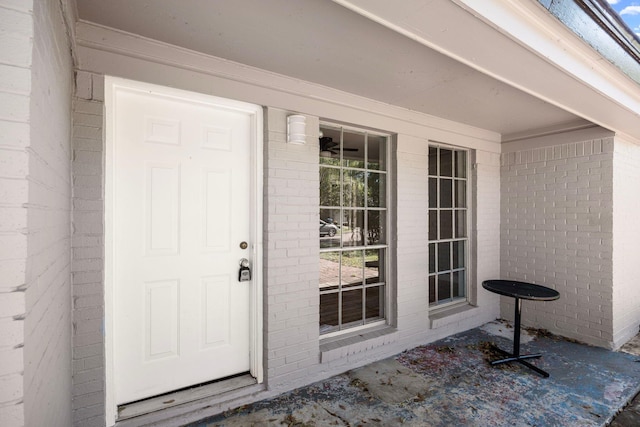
(324, 43)
(521, 44)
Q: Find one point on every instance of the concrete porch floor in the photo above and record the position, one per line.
(450, 383)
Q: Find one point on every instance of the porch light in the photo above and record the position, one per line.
(296, 129)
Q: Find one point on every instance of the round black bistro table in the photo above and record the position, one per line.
(520, 291)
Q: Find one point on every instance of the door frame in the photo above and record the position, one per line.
(112, 85)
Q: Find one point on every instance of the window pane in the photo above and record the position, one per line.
(352, 268)
(353, 194)
(446, 162)
(446, 193)
(353, 149)
(376, 227)
(444, 286)
(444, 256)
(329, 187)
(329, 229)
(330, 147)
(461, 194)
(352, 306)
(353, 228)
(373, 261)
(458, 254)
(433, 161)
(432, 289)
(432, 257)
(459, 284)
(433, 192)
(461, 223)
(329, 270)
(461, 164)
(376, 185)
(446, 224)
(433, 225)
(377, 152)
(374, 303)
(328, 312)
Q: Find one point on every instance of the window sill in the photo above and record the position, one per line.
(358, 342)
(440, 317)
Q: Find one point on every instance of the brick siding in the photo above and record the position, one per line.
(557, 231)
(88, 253)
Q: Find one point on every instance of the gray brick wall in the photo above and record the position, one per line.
(291, 252)
(88, 253)
(557, 230)
(626, 234)
(16, 47)
(47, 329)
(36, 80)
(293, 352)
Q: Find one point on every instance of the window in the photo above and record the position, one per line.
(353, 228)
(448, 225)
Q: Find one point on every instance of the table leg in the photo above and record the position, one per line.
(515, 356)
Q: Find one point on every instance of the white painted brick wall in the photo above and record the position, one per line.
(626, 235)
(88, 253)
(557, 231)
(292, 350)
(47, 329)
(291, 252)
(16, 47)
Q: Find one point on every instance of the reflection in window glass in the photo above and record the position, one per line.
(446, 193)
(352, 306)
(433, 225)
(376, 185)
(353, 149)
(444, 286)
(329, 270)
(376, 227)
(448, 224)
(329, 187)
(374, 303)
(433, 189)
(444, 256)
(353, 195)
(353, 228)
(377, 152)
(329, 320)
(352, 268)
(373, 261)
(461, 193)
(446, 162)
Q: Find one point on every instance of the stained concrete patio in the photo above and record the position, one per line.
(450, 382)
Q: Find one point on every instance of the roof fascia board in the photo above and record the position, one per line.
(522, 44)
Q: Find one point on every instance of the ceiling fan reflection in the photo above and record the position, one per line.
(328, 147)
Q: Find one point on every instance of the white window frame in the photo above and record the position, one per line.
(386, 306)
(467, 268)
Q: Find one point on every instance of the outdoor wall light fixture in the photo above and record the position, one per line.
(296, 129)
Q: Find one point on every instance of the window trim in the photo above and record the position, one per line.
(387, 247)
(469, 219)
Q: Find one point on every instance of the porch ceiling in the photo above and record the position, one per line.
(322, 42)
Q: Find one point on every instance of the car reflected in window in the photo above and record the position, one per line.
(327, 229)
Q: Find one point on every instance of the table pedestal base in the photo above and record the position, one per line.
(520, 359)
(516, 356)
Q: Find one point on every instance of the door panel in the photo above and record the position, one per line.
(181, 207)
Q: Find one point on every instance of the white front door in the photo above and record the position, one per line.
(181, 200)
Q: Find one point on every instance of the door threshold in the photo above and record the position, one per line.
(176, 398)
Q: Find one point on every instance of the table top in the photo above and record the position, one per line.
(515, 289)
